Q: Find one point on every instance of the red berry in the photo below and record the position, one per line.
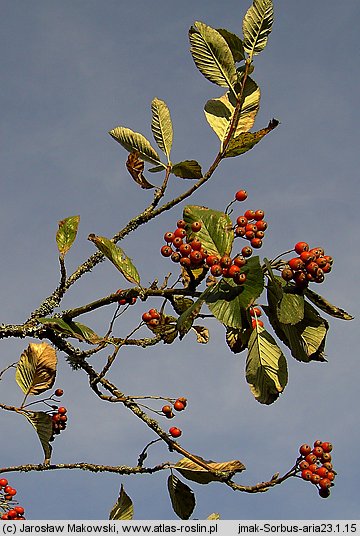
(166, 409)
(306, 474)
(3, 482)
(241, 221)
(325, 483)
(318, 451)
(305, 449)
(303, 465)
(154, 313)
(178, 405)
(196, 258)
(225, 261)
(177, 242)
(257, 323)
(239, 261)
(300, 279)
(241, 195)
(59, 392)
(249, 235)
(313, 467)
(330, 475)
(154, 322)
(196, 244)
(315, 479)
(259, 234)
(251, 227)
(326, 446)
(166, 251)
(212, 259)
(62, 410)
(296, 264)
(12, 514)
(185, 261)
(328, 465)
(233, 270)
(240, 231)
(19, 510)
(249, 214)
(261, 225)
(246, 251)
(300, 247)
(307, 257)
(326, 457)
(239, 279)
(196, 226)
(185, 250)
(318, 252)
(322, 471)
(175, 432)
(169, 237)
(256, 243)
(4, 516)
(180, 233)
(176, 256)
(181, 224)
(255, 311)
(287, 274)
(146, 317)
(259, 215)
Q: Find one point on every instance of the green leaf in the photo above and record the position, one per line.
(181, 496)
(36, 369)
(123, 509)
(186, 319)
(192, 471)
(257, 25)
(66, 234)
(212, 55)
(266, 368)
(42, 424)
(306, 339)
(156, 169)
(116, 255)
(72, 329)
(291, 308)
(188, 169)
(229, 302)
(180, 303)
(247, 140)
(237, 339)
(216, 233)
(235, 44)
(219, 112)
(133, 141)
(326, 306)
(161, 126)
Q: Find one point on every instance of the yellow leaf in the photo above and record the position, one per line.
(36, 369)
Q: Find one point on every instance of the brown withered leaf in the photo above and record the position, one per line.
(202, 334)
(36, 369)
(135, 167)
(193, 471)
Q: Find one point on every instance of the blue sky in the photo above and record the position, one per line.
(71, 72)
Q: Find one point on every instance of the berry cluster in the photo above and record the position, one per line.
(179, 405)
(151, 318)
(190, 253)
(316, 467)
(250, 225)
(310, 265)
(255, 312)
(124, 301)
(58, 420)
(7, 492)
